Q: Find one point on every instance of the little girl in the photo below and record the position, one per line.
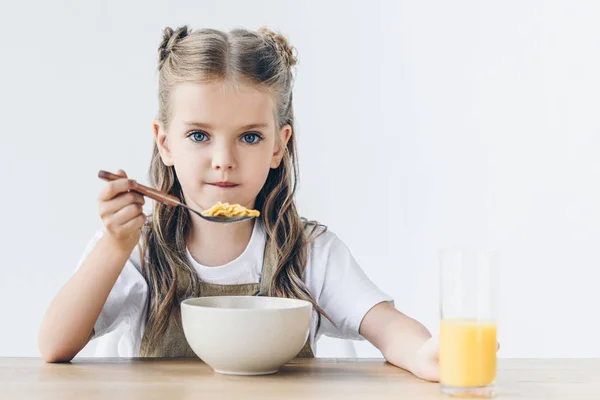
(225, 132)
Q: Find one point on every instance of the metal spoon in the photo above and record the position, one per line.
(172, 200)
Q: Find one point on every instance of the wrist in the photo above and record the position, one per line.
(121, 246)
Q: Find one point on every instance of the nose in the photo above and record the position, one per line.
(223, 158)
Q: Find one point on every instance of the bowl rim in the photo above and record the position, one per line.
(299, 304)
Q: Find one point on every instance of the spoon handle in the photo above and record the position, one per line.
(145, 190)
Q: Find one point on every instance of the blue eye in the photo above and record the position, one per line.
(198, 136)
(251, 138)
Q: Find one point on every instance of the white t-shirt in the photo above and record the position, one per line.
(333, 277)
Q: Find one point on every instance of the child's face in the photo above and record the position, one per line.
(221, 141)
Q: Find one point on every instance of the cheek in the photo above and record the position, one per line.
(188, 155)
(264, 160)
(189, 166)
(257, 167)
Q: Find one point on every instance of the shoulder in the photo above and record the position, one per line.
(324, 245)
(316, 232)
(134, 258)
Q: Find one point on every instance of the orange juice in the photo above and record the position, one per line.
(467, 353)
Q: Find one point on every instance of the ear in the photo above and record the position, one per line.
(160, 136)
(285, 133)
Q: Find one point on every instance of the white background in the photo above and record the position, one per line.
(422, 125)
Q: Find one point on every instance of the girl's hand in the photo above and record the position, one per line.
(121, 211)
(427, 366)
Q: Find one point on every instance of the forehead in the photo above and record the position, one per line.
(221, 105)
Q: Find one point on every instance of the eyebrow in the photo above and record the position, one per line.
(211, 127)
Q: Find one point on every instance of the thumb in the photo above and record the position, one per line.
(427, 367)
(122, 173)
(431, 348)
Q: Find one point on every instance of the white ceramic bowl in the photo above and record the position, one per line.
(246, 335)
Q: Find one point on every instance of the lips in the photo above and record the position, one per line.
(224, 184)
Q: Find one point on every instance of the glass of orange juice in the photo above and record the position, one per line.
(468, 322)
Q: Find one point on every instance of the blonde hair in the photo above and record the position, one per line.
(263, 59)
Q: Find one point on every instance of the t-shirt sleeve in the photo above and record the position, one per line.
(126, 302)
(341, 287)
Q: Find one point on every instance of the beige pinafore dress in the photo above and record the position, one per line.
(174, 343)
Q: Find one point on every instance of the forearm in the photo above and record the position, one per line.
(68, 323)
(396, 335)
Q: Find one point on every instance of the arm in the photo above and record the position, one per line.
(402, 340)
(68, 324)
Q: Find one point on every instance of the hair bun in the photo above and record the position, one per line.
(170, 39)
(281, 45)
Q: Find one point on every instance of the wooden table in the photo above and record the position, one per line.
(31, 378)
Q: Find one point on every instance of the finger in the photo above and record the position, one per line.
(431, 347)
(122, 173)
(120, 221)
(113, 188)
(429, 371)
(125, 214)
(135, 224)
(434, 374)
(120, 201)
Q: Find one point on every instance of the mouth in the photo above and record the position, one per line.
(224, 184)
